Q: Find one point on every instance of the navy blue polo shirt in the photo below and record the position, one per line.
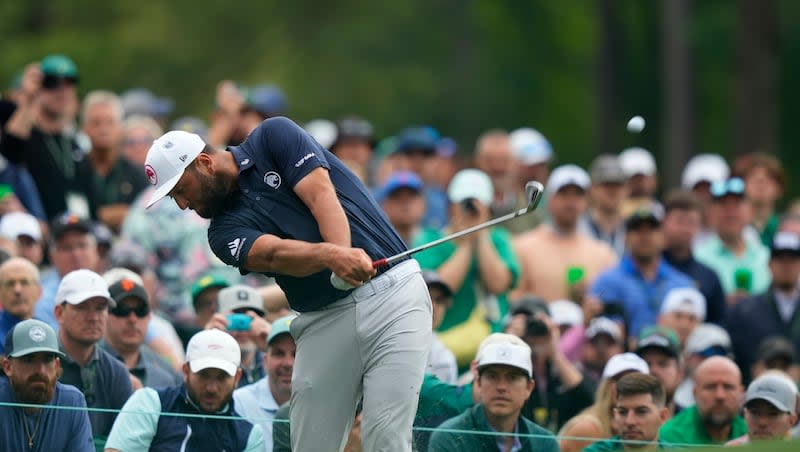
(65, 430)
(273, 159)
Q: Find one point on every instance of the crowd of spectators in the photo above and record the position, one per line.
(622, 312)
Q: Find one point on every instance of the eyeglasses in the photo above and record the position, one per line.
(54, 81)
(141, 311)
(733, 186)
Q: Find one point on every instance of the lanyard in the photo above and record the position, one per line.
(61, 152)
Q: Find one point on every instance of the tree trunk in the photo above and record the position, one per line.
(608, 78)
(679, 125)
(756, 98)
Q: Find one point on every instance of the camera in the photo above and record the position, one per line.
(536, 328)
(469, 205)
(239, 322)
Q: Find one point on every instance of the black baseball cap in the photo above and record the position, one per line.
(127, 288)
(659, 338)
(785, 244)
(650, 213)
(530, 305)
(432, 279)
(777, 347)
(69, 222)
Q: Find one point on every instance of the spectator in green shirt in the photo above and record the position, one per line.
(715, 418)
(639, 411)
(504, 382)
(480, 268)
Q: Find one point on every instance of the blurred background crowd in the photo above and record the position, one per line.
(676, 256)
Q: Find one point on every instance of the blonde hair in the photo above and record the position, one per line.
(100, 97)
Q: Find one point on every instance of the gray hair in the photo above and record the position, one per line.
(100, 97)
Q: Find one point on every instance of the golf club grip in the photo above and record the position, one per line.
(340, 284)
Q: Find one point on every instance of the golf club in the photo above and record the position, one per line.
(533, 192)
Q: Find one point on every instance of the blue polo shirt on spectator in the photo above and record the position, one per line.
(273, 159)
(65, 430)
(639, 298)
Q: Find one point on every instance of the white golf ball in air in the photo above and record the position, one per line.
(636, 124)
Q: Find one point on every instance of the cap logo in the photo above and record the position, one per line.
(168, 145)
(151, 174)
(241, 295)
(37, 334)
(183, 158)
(504, 353)
(127, 285)
(214, 347)
(272, 179)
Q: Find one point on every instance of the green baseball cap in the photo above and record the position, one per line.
(280, 326)
(660, 338)
(208, 281)
(59, 66)
(31, 336)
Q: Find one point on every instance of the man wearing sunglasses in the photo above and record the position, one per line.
(124, 338)
(36, 133)
(733, 251)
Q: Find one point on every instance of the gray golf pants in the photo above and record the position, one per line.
(375, 343)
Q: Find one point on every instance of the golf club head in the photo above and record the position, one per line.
(533, 192)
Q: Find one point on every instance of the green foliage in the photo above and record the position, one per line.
(461, 65)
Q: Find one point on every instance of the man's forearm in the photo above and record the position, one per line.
(289, 257)
(494, 272)
(332, 221)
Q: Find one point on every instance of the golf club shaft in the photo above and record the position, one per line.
(534, 191)
(391, 260)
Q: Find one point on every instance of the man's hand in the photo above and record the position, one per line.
(258, 333)
(31, 81)
(229, 100)
(353, 265)
(462, 218)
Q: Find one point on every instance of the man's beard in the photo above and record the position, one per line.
(718, 419)
(26, 393)
(214, 194)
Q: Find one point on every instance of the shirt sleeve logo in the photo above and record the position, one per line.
(235, 247)
(272, 179)
(303, 160)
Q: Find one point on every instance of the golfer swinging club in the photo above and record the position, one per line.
(282, 205)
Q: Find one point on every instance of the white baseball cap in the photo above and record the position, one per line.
(213, 349)
(637, 161)
(471, 183)
(16, 224)
(625, 362)
(565, 175)
(604, 325)
(565, 312)
(168, 158)
(530, 147)
(705, 336)
(778, 390)
(240, 296)
(685, 299)
(704, 168)
(514, 355)
(81, 285)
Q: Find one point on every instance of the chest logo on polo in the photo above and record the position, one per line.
(272, 179)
